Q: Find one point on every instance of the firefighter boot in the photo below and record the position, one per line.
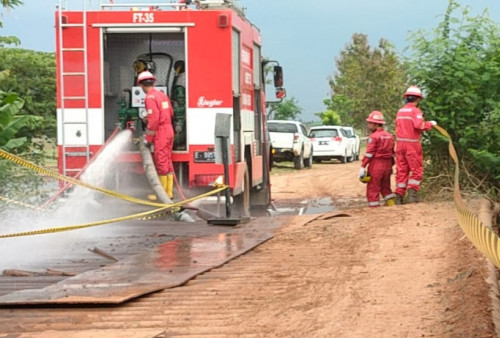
(390, 202)
(412, 196)
(399, 199)
(170, 186)
(164, 182)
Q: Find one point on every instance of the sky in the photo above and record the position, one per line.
(305, 36)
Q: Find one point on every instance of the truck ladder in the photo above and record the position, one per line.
(74, 77)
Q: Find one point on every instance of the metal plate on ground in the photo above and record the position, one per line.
(168, 265)
(228, 221)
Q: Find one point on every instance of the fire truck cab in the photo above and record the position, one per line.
(205, 55)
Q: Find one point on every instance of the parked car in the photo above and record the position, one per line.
(355, 140)
(331, 142)
(290, 143)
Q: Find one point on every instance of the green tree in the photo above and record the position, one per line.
(11, 3)
(367, 79)
(32, 75)
(9, 40)
(288, 109)
(10, 123)
(14, 180)
(329, 118)
(17, 182)
(458, 68)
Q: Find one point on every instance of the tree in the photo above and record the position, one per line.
(9, 40)
(10, 122)
(15, 181)
(367, 79)
(288, 109)
(329, 118)
(458, 68)
(32, 74)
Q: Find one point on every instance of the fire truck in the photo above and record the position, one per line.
(204, 54)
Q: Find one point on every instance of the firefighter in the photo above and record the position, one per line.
(409, 157)
(178, 96)
(159, 130)
(379, 155)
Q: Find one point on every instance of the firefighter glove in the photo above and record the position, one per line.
(361, 172)
(433, 123)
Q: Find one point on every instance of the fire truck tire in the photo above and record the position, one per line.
(298, 161)
(242, 201)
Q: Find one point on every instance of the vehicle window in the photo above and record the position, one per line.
(344, 133)
(282, 127)
(324, 133)
(304, 131)
(348, 132)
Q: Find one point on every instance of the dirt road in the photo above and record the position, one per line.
(403, 271)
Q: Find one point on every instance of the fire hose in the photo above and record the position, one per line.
(483, 238)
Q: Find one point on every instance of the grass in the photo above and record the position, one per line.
(282, 167)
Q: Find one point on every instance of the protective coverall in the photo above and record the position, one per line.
(380, 156)
(159, 130)
(409, 156)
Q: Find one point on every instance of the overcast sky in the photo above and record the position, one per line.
(305, 36)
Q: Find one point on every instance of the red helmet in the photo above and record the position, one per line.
(413, 91)
(376, 117)
(145, 75)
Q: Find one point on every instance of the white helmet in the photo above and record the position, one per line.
(413, 91)
(145, 75)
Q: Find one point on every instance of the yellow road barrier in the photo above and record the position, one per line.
(483, 238)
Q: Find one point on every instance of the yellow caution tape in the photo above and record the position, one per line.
(72, 180)
(112, 220)
(8, 200)
(481, 236)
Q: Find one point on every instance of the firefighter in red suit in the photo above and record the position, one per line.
(379, 155)
(159, 130)
(409, 156)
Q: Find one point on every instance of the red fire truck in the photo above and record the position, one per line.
(205, 55)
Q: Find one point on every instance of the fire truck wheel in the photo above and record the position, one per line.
(242, 201)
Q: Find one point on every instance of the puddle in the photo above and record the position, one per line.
(304, 207)
(319, 206)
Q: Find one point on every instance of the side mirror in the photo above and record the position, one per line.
(280, 93)
(278, 76)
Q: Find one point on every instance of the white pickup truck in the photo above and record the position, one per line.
(290, 143)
